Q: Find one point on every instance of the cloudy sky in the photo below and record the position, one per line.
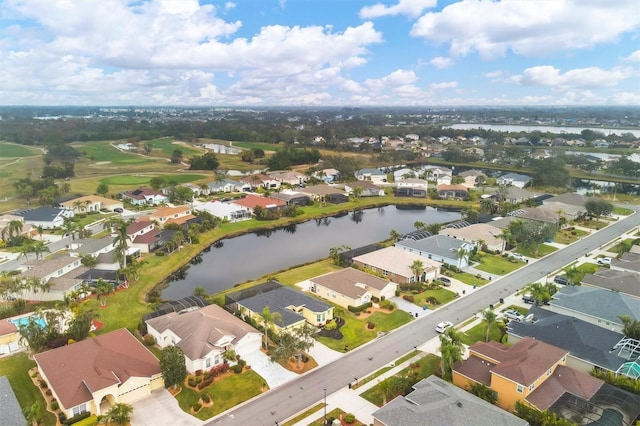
(320, 52)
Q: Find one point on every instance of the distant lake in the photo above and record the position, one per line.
(222, 149)
(552, 129)
(251, 256)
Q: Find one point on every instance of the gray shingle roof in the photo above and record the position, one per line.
(92, 245)
(622, 281)
(438, 245)
(436, 402)
(583, 340)
(41, 214)
(597, 302)
(10, 413)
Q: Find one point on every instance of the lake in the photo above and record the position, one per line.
(553, 129)
(251, 256)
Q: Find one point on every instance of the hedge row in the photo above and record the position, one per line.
(358, 309)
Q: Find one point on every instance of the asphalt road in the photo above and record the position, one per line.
(282, 402)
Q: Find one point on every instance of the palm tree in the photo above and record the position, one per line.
(269, 318)
(394, 235)
(487, 205)
(120, 414)
(40, 230)
(120, 242)
(417, 267)
(462, 254)
(505, 235)
(419, 225)
(490, 319)
(540, 293)
(103, 288)
(39, 248)
(451, 349)
(77, 205)
(70, 228)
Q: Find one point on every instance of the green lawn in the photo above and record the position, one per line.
(167, 146)
(566, 236)
(478, 333)
(304, 415)
(334, 414)
(577, 273)
(498, 265)
(621, 211)
(12, 150)
(441, 294)
(16, 369)
(543, 250)
(226, 393)
(257, 145)
(470, 279)
(104, 151)
(355, 332)
(145, 179)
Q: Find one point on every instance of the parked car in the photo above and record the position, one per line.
(445, 281)
(118, 210)
(518, 256)
(513, 315)
(441, 327)
(604, 261)
(528, 299)
(561, 279)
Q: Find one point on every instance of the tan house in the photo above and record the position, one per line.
(395, 264)
(452, 192)
(9, 337)
(204, 335)
(91, 203)
(167, 214)
(351, 287)
(95, 374)
(476, 233)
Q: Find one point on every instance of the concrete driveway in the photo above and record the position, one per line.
(272, 372)
(161, 409)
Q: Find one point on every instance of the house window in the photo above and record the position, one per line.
(548, 372)
(207, 362)
(385, 273)
(519, 388)
(532, 386)
(320, 318)
(79, 409)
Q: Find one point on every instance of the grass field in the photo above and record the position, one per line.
(442, 295)
(145, 179)
(12, 150)
(498, 265)
(478, 333)
(469, 279)
(256, 145)
(98, 152)
(167, 145)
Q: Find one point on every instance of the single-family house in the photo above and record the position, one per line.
(226, 185)
(412, 187)
(91, 246)
(375, 176)
(46, 217)
(477, 234)
(292, 198)
(513, 179)
(167, 214)
(91, 203)
(437, 402)
(145, 237)
(56, 273)
(404, 173)
(441, 175)
(5, 229)
(327, 175)
(230, 212)
(397, 265)
(629, 262)
(144, 196)
(141, 227)
(289, 177)
(539, 214)
(440, 248)
(95, 374)
(11, 413)
(614, 279)
(325, 193)
(588, 345)
(452, 192)
(294, 308)
(260, 180)
(252, 201)
(351, 287)
(514, 194)
(472, 177)
(367, 189)
(204, 335)
(10, 339)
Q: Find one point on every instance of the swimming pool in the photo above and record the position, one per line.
(25, 320)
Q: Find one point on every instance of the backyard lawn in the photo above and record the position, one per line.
(226, 392)
(498, 265)
(356, 333)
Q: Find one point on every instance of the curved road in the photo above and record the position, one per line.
(284, 401)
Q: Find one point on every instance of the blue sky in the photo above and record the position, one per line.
(320, 52)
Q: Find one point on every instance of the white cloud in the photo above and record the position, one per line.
(634, 57)
(393, 80)
(411, 8)
(626, 98)
(593, 77)
(444, 85)
(530, 28)
(229, 5)
(441, 62)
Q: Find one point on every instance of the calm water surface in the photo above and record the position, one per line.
(251, 256)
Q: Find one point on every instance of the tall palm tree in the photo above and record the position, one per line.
(490, 319)
(39, 248)
(103, 288)
(70, 228)
(451, 349)
(15, 228)
(395, 235)
(121, 240)
(269, 319)
(77, 206)
(505, 236)
(540, 293)
(417, 267)
(40, 230)
(462, 254)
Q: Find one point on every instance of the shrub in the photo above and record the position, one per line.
(160, 253)
(70, 342)
(43, 384)
(432, 300)
(242, 362)
(349, 418)
(358, 309)
(219, 369)
(236, 368)
(371, 325)
(76, 419)
(198, 373)
(205, 383)
(205, 398)
(196, 407)
(198, 379)
(408, 298)
(54, 405)
(192, 382)
(330, 325)
(62, 417)
(149, 340)
(48, 392)
(375, 299)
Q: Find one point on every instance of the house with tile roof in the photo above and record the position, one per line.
(204, 335)
(95, 374)
(476, 233)
(452, 192)
(11, 412)
(169, 214)
(395, 265)
(91, 203)
(294, 307)
(440, 248)
(351, 287)
(144, 196)
(442, 404)
(252, 201)
(260, 180)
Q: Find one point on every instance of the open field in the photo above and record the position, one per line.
(145, 179)
(12, 150)
(98, 152)
(167, 145)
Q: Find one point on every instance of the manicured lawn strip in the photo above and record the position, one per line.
(104, 151)
(16, 369)
(255, 145)
(594, 224)
(383, 370)
(443, 295)
(498, 265)
(470, 279)
(543, 250)
(145, 179)
(11, 150)
(478, 334)
(520, 309)
(621, 211)
(334, 414)
(304, 415)
(225, 393)
(567, 237)
(355, 332)
(622, 245)
(427, 365)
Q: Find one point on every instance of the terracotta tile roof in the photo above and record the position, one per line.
(180, 220)
(169, 211)
(147, 238)
(444, 187)
(253, 201)
(77, 370)
(137, 226)
(7, 327)
(564, 379)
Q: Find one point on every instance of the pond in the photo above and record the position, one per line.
(251, 256)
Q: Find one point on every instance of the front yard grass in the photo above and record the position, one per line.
(543, 250)
(334, 414)
(226, 393)
(426, 298)
(479, 332)
(16, 368)
(355, 332)
(304, 415)
(498, 265)
(469, 279)
(567, 236)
